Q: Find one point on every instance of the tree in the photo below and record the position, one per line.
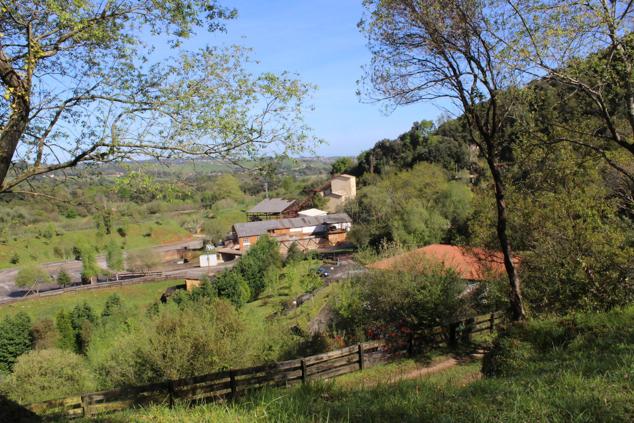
(424, 51)
(254, 264)
(341, 165)
(114, 256)
(64, 327)
(588, 47)
(89, 267)
(32, 276)
(63, 278)
(15, 339)
(113, 307)
(232, 286)
(80, 87)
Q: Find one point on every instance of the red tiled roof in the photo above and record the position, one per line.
(468, 262)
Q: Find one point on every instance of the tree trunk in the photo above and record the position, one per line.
(517, 305)
(11, 134)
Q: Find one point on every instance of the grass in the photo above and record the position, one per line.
(33, 249)
(577, 369)
(137, 297)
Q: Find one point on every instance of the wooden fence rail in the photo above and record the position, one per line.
(230, 384)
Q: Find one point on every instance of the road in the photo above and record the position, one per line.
(73, 268)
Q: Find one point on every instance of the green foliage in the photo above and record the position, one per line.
(113, 307)
(422, 143)
(48, 373)
(114, 256)
(82, 319)
(143, 260)
(341, 165)
(385, 302)
(63, 278)
(15, 339)
(89, 267)
(174, 344)
(31, 277)
(63, 323)
(294, 254)
(258, 259)
(411, 208)
(44, 334)
(230, 284)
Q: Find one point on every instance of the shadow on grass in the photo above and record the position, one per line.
(11, 411)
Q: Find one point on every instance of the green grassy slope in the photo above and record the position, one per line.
(137, 297)
(579, 369)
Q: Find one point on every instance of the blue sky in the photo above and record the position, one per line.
(319, 40)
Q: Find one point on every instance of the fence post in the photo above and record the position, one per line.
(170, 392)
(361, 357)
(452, 334)
(468, 328)
(85, 405)
(304, 375)
(232, 384)
(492, 324)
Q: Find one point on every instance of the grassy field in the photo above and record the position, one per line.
(34, 249)
(577, 369)
(135, 296)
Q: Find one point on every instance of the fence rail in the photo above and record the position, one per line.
(149, 277)
(229, 384)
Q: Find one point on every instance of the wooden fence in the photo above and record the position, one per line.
(230, 384)
(150, 277)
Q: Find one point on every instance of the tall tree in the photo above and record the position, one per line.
(587, 46)
(426, 50)
(81, 85)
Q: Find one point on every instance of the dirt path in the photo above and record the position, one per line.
(430, 370)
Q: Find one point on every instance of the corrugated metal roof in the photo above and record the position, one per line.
(260, 228)
(272, 205)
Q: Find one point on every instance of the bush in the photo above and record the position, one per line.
(231, 285)
(45, 335)
(66, 340)
(391, 303)
(63, 278)
(294, 254)
(142, 260)
(15, 339)
(258, 259)
(47, 374)
(174, 344)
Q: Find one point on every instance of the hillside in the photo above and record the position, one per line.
(549, 370)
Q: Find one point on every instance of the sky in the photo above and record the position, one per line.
(319, 41)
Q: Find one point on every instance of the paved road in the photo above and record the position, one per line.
(73, 268)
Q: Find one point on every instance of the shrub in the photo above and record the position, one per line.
(63, 278)
(113, 307)
(254, 264)
(142, 260)
(397, 302)
(66, 340)
(232, 286)
(82, 319)
(174, 344)
(294, 254)
(46, 374)
(45, 335)
(15, 339)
